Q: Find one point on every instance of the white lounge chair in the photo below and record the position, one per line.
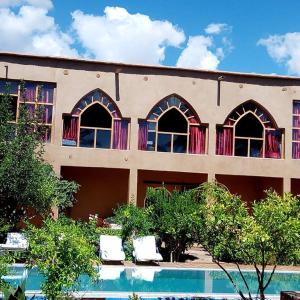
(145, 249)
(146, 274)
(21, 274)
(15, 242)
(111, 248)
(110, 273)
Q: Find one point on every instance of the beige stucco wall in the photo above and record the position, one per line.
(140, 89)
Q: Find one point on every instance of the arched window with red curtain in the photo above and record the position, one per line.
(172, 126)
(95, 122)
(250, 131)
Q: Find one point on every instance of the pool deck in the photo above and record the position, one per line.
(201, 259)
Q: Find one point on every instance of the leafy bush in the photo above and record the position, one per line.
(176, 218)
(5, 260)
(62, 252)
(108, 231)
(134, 221)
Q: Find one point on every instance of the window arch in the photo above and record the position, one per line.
(95, 122)
(172, 126)
(249, 131)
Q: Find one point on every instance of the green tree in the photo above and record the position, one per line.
(26, 180)
(62, 252)
(176, 218)
(266, 236)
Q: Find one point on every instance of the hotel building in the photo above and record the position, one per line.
(118, 128)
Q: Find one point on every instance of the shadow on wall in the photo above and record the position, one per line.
(171, 180)
(251, 187)
(101, 190)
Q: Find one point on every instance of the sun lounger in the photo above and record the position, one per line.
(111, 248)
(145, 249)
(15, 242)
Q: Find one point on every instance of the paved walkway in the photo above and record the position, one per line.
(198, 258)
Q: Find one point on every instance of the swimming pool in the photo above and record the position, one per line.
(121, 281)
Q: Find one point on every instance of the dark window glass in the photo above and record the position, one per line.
(249, 126)
(97, 95)
(241, 147)
(164, 142)
(151, 125)
(173, 121)
(86, 138)
(103, 139)
(96, 116)
(179, 143)
(12, 87)
(163, 105)
(256, 148)
(13, 106)
(151, 141)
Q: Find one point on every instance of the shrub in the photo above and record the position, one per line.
(62, 252)
(134, 221)
(5, 260)
(176, 218)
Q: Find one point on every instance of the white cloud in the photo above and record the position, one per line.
(216, 28)
(120, 36)
(30, 29)
(284, 49)
(47, 4)
(198, 54)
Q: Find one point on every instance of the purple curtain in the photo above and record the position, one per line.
(47, 135)
(296, 151)
(47, 93)
(273, 144)
(30, 92)
(197, 140)
(296, 107)
(120, 137)
(143, 135)
(224, 145)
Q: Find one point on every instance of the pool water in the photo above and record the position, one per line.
(156, 280)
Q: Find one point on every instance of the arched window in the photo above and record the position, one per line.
(95, 122)
(95, 127)
(249, 131)
(172, 126)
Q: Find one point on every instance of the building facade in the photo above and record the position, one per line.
(118, 128)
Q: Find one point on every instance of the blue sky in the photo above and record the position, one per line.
(244, 36)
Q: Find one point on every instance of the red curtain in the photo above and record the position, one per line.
(273, 144)
(197, 140)
(224, 145)
(120, 137)
(143, 135)
(70, 130)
